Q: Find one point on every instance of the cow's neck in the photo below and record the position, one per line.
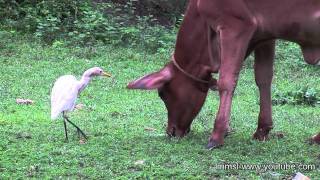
(191, 51)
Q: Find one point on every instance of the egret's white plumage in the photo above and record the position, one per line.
(64, 95)
(65, 92)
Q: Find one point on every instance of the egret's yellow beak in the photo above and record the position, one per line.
(106, 74)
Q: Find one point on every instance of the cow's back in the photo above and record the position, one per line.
(294, 20)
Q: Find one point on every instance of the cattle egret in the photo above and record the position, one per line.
(64, 94)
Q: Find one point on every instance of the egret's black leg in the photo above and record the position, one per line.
(84, 135)
(65, 125)
(65, 129)
(78, 132)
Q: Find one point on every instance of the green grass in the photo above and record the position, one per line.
(114, 118)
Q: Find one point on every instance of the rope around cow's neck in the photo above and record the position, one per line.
(173, 59)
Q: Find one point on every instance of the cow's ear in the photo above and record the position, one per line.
(152, 81)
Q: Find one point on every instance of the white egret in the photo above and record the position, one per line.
(64, 94)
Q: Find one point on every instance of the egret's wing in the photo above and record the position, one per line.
(63, 96)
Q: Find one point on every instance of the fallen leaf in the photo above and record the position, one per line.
(79, 106)
(24, 101)
(149, 129)
(23, 135)
(139, 162)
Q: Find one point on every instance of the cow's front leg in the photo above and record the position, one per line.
(226, 88)
(234, 41)
(264, 57)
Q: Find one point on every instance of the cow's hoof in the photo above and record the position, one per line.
(213, 144)
(315, 140)
(261, 135)
(171, 132)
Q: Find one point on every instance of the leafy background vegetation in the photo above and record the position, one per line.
(41, 40)
(86, 23)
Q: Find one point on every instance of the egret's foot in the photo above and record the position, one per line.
(214, 144)
(82, 141)
(83, 135)
(78, 129)
(262, 134)
(78, 132)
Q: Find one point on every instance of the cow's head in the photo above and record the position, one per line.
(182, 95)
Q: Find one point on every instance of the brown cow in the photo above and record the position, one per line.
(217, 36)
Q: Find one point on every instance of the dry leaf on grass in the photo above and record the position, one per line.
(139, 162)
(79, 106)
(24, 101)
(149, 129)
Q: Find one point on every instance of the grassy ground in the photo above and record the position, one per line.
(116, 119)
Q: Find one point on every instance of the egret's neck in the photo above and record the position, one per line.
(84, 81)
